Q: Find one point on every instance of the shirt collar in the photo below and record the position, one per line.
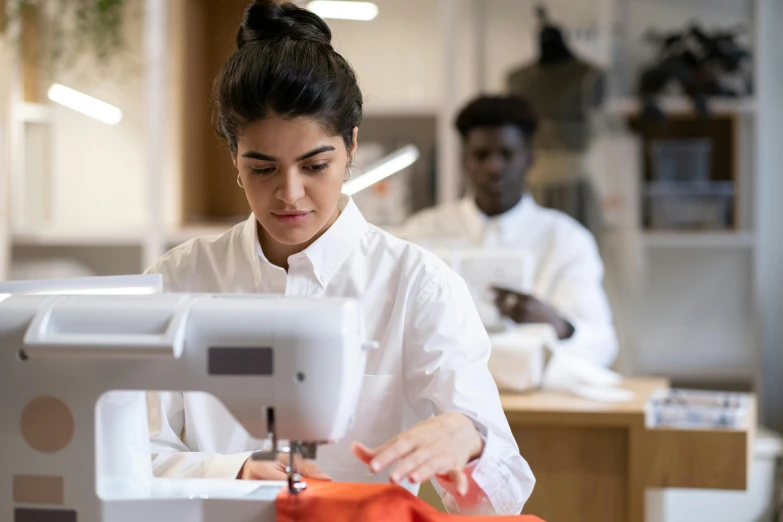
(327, 253)
(508, 222)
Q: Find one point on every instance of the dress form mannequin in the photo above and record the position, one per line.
(564, 91)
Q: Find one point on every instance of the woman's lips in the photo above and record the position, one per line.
(291, 217)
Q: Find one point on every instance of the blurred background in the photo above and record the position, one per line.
(683, 128)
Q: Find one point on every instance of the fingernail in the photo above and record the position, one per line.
(375, 466)
(415, 479)
(395, 477)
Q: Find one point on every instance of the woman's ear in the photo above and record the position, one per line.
(354, 143)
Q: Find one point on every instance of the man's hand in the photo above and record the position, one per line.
(526, 309)
(269, 470)
(441, 446)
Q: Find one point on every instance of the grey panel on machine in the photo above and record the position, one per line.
(44, 515)
(240, 361)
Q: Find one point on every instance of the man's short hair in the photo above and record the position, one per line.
(497, 111)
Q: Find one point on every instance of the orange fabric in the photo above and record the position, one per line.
(351, 502)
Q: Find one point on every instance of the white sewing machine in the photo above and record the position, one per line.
(73, 429)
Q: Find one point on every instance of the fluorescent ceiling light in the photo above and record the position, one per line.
(391, 164)
(344, 10)
(87, 105)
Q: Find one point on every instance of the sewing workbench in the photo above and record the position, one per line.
(593, 461)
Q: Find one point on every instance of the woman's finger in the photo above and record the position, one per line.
(302, 466)
(263, 470)
(436, 465)
(309, 470)
(411, 462)
(460, 480)
(362, 452)
(392, 451)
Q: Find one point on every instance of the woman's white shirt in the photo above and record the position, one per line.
(432, 358)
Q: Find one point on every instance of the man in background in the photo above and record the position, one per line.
(567, 289)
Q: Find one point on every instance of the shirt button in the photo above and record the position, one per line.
(322, 278)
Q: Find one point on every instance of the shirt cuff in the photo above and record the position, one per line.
(488, 492)
(227, 466)
(492, 477)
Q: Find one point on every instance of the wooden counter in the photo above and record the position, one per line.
(594, 461)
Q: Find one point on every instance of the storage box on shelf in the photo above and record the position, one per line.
(689, 172)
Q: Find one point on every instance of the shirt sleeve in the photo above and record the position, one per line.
(171, 457)
(576, 291)
(445, 368)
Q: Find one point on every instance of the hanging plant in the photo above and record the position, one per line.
(73, 29)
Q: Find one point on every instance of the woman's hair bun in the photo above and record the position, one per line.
(266, 20)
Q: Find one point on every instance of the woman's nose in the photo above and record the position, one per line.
(291, 188)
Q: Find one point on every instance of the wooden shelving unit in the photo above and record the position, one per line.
(686, 271)
(679, 105)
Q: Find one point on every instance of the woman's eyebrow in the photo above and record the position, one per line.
(263, 157)
(315, 152)
(257, 155)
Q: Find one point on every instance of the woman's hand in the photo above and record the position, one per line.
(441, 446)
(270, 470)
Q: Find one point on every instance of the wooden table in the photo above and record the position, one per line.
(594, 461)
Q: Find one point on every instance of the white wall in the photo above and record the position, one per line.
(697, 314)
(770, 210)
(98, 171)
(397, 56)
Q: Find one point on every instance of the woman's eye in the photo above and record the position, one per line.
(262, 172)
(317, 168)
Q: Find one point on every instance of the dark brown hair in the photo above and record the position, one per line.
(285, 64)
(497, 111)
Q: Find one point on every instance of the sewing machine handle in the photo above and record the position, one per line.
(40, 341)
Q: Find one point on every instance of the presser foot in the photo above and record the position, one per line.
(296, 484)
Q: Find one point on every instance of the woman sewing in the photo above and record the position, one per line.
(289, 107)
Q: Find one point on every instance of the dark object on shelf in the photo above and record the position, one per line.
(551, 43)
(704, 64)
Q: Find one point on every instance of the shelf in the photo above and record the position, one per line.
(683, 105)
(59, 237)
(401, 108)
(742, 240)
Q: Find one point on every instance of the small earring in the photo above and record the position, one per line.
(348, 170)
(239, 181)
